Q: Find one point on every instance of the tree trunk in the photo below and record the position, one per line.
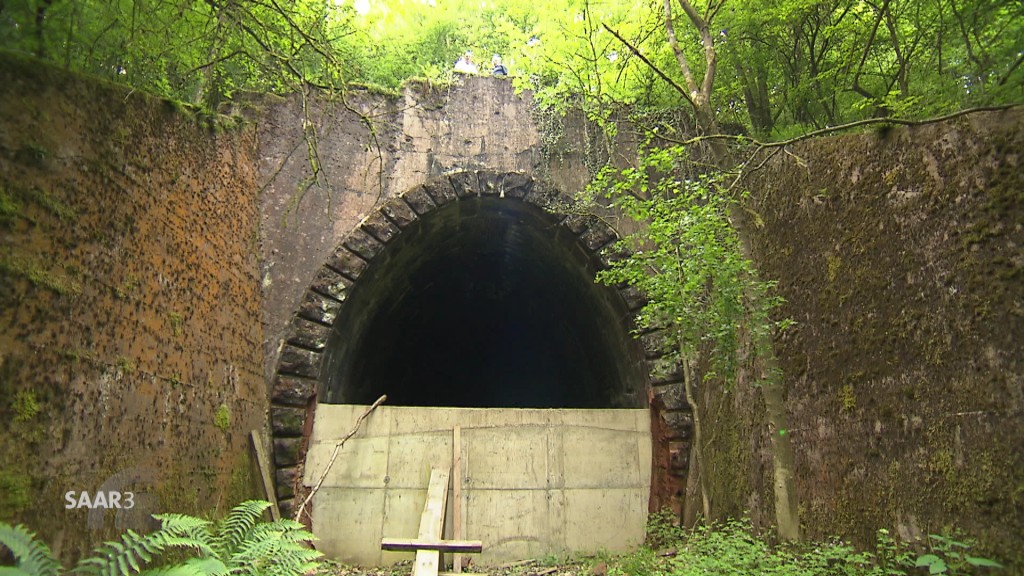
(697, 447)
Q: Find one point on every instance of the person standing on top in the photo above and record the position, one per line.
(465, 64)
(498, 69)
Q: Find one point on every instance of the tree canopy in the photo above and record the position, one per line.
(779, 66)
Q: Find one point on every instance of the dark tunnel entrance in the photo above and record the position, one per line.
(484, 302)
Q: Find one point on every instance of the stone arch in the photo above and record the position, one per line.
(298, 381)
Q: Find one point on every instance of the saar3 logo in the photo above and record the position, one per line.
(124, 494)
(101, 499)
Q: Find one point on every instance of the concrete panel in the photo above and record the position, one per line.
(511, 523)
(600, 458)
(583, 507)
(362, 463)
(535, 482)
(359, 511)
(514, 457)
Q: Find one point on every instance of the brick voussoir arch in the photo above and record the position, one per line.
(296, 383)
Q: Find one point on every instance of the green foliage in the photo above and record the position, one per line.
(10, 208)
(782, 65)
(686, 258)
(38, 274)
(238, 544)
(733, 548)
(25, 406)
(663, 529)
(31, 557)
(222, 419)
(948, 555)
(15, 491)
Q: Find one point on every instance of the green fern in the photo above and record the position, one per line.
(238, 544)
(234, 528)
(32, 557)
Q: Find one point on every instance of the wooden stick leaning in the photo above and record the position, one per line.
(337, 449)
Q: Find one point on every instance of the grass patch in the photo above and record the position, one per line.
(36, 273)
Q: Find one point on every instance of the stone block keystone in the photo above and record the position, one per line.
(344, 262)
(320, 309)
(287, 421)
(298, 362)
(517, 185)
(378, 226)
(465, 184)
(419, 200)
(292, 391)
(309, 335)
(364, 245)
(442, 191)
(399, 212)
(490, 183)
(287, 451)
(330, 283)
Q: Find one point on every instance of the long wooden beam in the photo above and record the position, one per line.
(406, 544)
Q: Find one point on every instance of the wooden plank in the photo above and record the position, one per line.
(457, 494)
(263, 463)
(405, 544)
(432, 522)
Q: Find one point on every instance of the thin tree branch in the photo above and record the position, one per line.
(334, 456)
(650, 64)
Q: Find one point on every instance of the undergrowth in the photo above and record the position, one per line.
(733, 548)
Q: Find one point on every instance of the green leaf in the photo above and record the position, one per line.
(935, 564)
(985, 562)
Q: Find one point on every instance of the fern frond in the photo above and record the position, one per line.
(183, 525)
(232, 530)
(208, 566)
(135, 551)
(178, 570)
(12, 571)
(271, 551)
(31, 555)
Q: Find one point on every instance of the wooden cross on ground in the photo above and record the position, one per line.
(429, 544)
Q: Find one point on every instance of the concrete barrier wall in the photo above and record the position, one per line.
(534, 482)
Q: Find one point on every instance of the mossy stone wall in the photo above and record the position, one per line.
(900, 254)
(129, 305)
